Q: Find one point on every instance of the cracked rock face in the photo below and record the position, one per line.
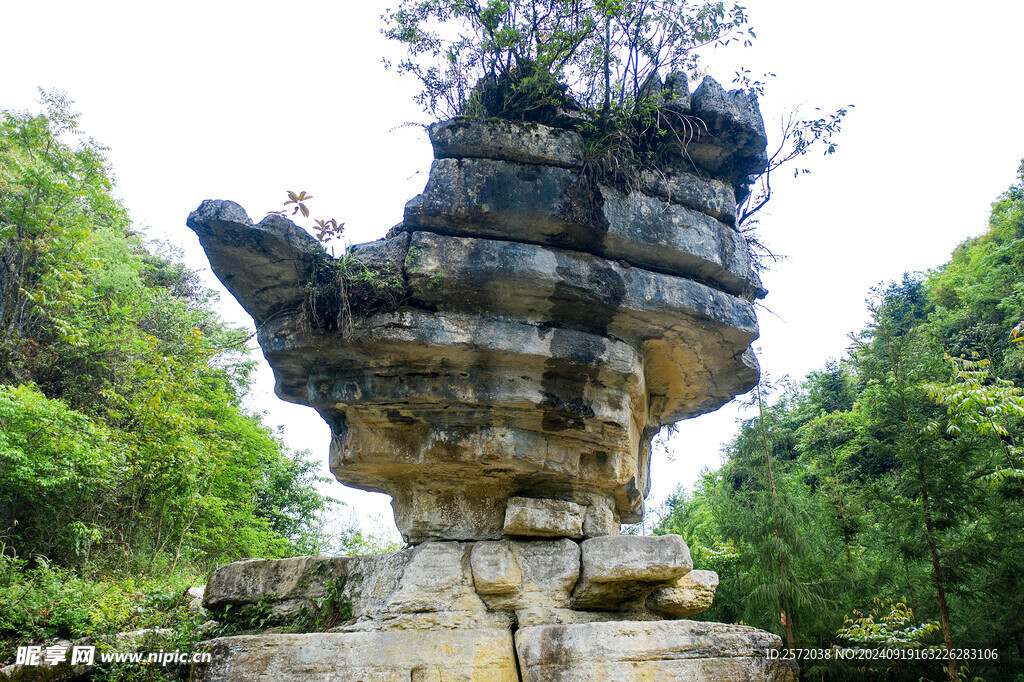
(508, 609)
(529, 330)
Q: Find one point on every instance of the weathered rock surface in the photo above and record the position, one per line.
(195, 595)
(668, 317)
(495, 569)
(600, 519)
(438, 579)
(290, 584)
(659, 650)
(621, 569)
(506, 140)
(383, 255)
(548, 571)
(687, 596)
(265, 265)
(543, 518)
(429, 586)
(467, 582)
(735, 143)
(553, 206)
(677, 93)
(420, 656)
(548, 326)
(704, 194)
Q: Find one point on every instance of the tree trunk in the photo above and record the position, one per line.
(786, 615)
(940, 590)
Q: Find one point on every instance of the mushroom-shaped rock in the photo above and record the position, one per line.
(523, 334)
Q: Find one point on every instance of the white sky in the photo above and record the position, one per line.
(244, 100)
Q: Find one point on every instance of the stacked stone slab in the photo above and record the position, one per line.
(491, 610)
(548, 326)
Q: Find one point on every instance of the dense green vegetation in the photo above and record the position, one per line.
(515, 58)
(880, 501)
(128, 464)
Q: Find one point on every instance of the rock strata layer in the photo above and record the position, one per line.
(419, 656)
(664, 651)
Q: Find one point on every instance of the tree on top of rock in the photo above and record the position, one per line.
(526, 54)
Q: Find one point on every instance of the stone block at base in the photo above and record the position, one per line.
(450, 655)
(653, 650)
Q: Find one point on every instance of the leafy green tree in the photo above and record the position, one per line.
(927, 495)
(604, 51)
(52, 198)
(57, 469)
(122, 419)
(899, 467)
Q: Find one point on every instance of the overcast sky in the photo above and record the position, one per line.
(245, 100)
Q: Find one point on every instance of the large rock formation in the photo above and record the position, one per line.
(498, 364)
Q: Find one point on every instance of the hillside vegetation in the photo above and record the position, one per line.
(880, 502)
(128, 464)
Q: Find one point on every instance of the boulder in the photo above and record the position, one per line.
(438, 577)
(495, 569)
(660, 650)
(687, 596)
(599, 519)
(548, 570)
(533, 143)
(383, 255)
(618, 570)
(456, 655)
(543, 518)
(288, 584)
(499, 364)
(194, 596)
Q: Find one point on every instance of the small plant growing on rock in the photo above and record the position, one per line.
(237, 619)
(329, 229)
(336, 608)
(342, 288)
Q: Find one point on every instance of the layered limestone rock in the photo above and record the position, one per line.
(538, 330)
(471, 585)
(679, 651)
(418, 656)
(474, 611)
(499, 364)
(687, 596)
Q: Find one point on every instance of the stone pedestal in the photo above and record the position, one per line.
(551, 609)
